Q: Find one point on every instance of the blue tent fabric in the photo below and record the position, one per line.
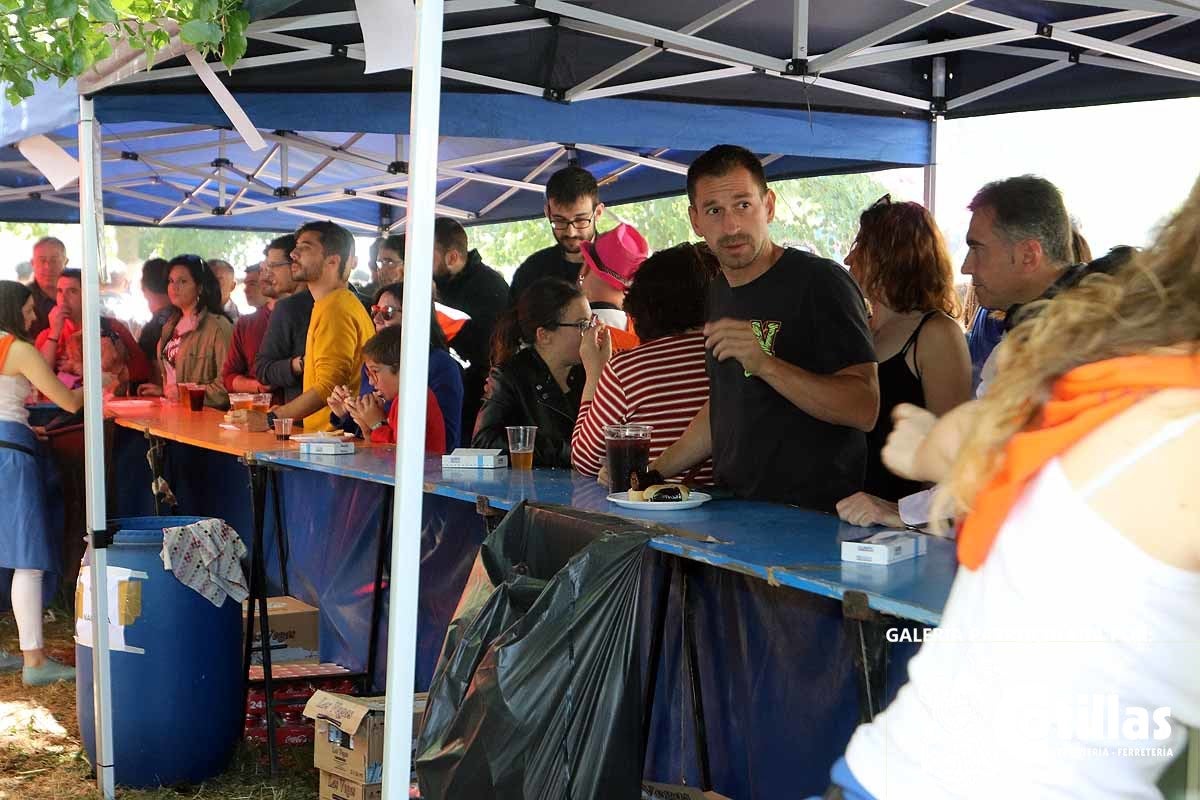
(814, 143)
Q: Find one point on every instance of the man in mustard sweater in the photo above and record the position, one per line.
(338, 328)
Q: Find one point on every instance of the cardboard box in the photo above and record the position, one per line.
(326, 448)
(294, 626)
(662, 791)
(885, 547)
(335, 787)
(471, 457)
(349, 735)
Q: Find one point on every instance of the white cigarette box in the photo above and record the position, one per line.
(326, 448)
(474, 457)
(885, 547)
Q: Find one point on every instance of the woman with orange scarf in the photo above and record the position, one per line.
(1067, 659)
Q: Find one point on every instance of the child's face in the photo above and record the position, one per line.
(383, 378)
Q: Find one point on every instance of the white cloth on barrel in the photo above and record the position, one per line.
(207, 556)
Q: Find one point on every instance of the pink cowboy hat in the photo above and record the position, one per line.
(616, 255)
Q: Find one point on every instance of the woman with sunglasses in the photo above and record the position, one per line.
(196, 337)
(536, 374)
(28, 534)
(445, 373)
(900, 261)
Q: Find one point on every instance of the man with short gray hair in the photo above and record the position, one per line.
(49, 259)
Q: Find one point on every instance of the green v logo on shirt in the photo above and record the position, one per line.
(765, 331)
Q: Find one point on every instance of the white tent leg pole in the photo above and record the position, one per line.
(414, 368)
(938, 81)
(91, 220)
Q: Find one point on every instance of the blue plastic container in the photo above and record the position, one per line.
(177, 712)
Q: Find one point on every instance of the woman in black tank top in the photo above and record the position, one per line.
(901, 262)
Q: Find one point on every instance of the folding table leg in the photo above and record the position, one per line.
(691, 662)
(385, 528)
(281, 540)
(657, 633)
(258, 600)
(867, 629)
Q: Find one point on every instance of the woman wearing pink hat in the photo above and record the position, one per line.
(609, 264)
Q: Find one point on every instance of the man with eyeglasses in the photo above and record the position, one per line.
(49, 259)
(279, 360)
(573, 208)
(464, 282)
(250, 331)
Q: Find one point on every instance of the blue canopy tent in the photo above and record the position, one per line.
(854, 85)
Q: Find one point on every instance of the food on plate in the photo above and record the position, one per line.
(666, 493)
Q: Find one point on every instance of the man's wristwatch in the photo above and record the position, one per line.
(377, 426)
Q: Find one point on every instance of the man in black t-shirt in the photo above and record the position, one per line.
(573, 207)
(791, 365)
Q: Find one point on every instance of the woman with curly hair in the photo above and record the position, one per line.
(1065, 662)
(661, 382)
(901, 262)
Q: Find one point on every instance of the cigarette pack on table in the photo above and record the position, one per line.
(885, 547)
(471, 457)
(330, 448)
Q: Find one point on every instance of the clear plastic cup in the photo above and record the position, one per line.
(240, 400)
(261, 402)
(627, 448)
(283, 428)
(520, 445)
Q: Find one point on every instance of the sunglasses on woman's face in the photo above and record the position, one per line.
(385, 313)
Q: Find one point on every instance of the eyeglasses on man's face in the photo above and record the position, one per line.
(580, 223)
(387, 263)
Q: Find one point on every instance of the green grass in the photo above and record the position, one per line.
(41, 756)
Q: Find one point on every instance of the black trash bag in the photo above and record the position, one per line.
(537, 693)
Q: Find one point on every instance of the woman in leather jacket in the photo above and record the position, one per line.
(536, 376)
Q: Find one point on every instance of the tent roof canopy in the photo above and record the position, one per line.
(873, 57)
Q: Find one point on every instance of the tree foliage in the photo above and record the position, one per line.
(818, 214)
(62, 39)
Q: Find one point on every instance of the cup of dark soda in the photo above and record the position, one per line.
(627, 448)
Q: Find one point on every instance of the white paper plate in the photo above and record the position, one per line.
(323, 436)
(695, 499)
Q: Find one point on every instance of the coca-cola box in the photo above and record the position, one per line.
(294, 627)
(335, 787)
(349, 735)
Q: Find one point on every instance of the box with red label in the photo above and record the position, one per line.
(349, 735)
(335, 787)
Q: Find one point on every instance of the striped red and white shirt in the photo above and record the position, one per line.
(661, 383)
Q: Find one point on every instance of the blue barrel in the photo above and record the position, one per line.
(177, 713)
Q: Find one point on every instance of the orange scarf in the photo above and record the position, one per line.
(6, 340)
(1080, 401)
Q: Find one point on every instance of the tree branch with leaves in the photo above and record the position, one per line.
(44, 39)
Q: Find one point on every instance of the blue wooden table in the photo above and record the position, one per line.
(783, 545)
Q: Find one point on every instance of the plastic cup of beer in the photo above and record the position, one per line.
(195, 395)
(240, 400)
(283, 428)
(520, 445)
(261, 402)
(627, 448)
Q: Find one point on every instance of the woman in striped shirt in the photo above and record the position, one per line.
(662, 382)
